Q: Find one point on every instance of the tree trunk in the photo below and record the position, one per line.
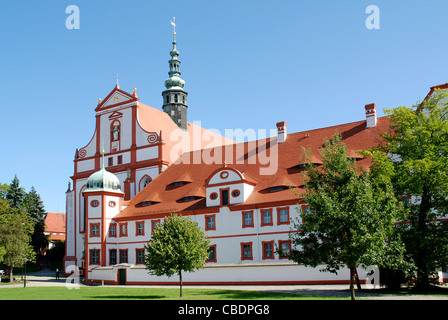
(352, 286)
(10, 274)
(180, 282)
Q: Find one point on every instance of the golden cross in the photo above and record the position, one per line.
(173, 23)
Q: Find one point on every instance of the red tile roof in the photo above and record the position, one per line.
(55, 225)
(168, 198)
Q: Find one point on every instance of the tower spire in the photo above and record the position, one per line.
(174, 97)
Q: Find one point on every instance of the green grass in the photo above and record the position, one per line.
(127, 293)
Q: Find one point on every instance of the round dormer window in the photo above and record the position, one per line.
(224, 174)
(236, 193)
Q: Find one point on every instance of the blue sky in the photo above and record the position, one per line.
(247, 64)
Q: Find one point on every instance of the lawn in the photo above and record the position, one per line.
(127, 293)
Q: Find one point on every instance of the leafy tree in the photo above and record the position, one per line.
(418, 152)
(15, 230)
(3, 190)
(177, 245)
(34, 207)
(350, 217)
(15, 194)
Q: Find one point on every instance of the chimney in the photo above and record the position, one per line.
(370, 115)
(281, 131)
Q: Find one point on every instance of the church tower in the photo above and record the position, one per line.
(175, 97)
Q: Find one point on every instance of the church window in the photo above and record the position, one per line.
(175, 98)
(167, 98)
(246, 251)
(144, 182)
(235, 193)
(110, 161)
(120, 159)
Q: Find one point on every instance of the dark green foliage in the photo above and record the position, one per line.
(350, 217)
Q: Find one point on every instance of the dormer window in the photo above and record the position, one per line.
(189, 198)
(227, 186)
(146, 204)
(277, 188)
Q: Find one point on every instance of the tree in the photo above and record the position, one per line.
(15, 230)
(3, 190)
(350, 217)
(34, 208)
(15, 194)
(417, 148)
(177, 245)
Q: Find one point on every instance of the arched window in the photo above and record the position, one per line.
(175, 98)
(144, 182)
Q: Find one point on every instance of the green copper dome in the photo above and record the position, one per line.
(103, 180)
(174, 81)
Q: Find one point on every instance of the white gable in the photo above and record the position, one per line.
(224, 176)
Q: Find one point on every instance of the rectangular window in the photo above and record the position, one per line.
(211, 254)
(112, 256)
(113, 230)
(140, 228)
(246, 251)
(154, 225)
(123, 229)
(268, 249)
(210, 222)
(94, 229)
(225, 197)
(95, 256)
(124, 256)
(140, 256)
(119, 159)
(248, 219)
(283, 215)
(266, 218)
(285, 248)
(110, 161)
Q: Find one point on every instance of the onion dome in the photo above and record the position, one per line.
(103, 180)
(174, 81)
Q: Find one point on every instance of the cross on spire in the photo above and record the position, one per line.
(118, 85)
(173, 23)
